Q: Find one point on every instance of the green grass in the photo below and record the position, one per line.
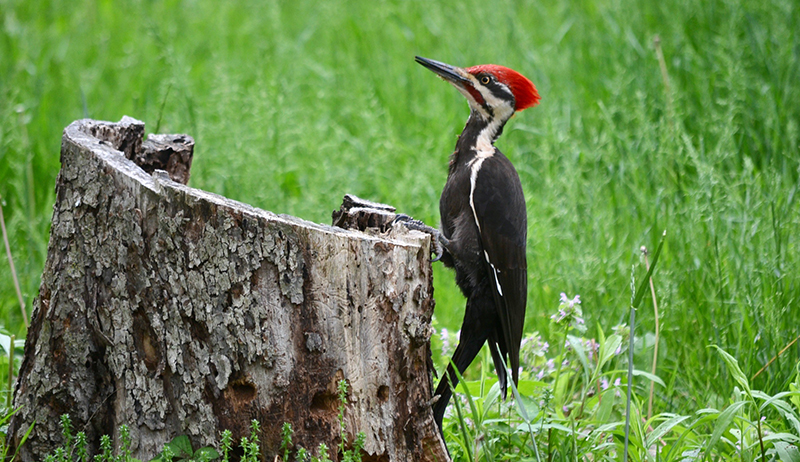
(293, 105)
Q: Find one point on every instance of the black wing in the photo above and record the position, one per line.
(499, 206)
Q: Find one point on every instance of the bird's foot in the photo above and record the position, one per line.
(436, 236)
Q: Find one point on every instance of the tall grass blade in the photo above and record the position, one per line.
(524, 413)
(642, 286)
(638, 295)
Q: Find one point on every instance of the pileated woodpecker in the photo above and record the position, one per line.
(484, 222)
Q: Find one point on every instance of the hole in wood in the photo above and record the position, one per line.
(383, 393)
(324, 401)
(240, 392)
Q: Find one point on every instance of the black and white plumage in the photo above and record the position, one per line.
(484, 222)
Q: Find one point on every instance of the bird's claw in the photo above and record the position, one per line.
(417, 225)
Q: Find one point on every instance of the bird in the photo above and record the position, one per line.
(484, 223)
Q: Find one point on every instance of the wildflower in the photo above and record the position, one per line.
(445, 336)
(569, 312)
(592, 347)
(604, 383)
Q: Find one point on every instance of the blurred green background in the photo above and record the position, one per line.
(294, 104)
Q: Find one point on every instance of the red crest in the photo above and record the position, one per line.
(525, 93)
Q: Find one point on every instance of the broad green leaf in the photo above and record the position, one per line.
(5, 342)
(206, 454)
(784, 408)
(664, 428)
(786, 437)
(649, 376)
(180, 446)
(580, 351)
(639, 373)
(491, 398)
(608, 349)
(735, 370)
(606, 405)
(530, 387)
(787, 452)
(722, 424)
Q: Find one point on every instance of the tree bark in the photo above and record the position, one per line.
(176, 311)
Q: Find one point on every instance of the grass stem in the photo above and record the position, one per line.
(11, 369)
(630, 386)
(11, 264)
(655, 345)
(789, 345)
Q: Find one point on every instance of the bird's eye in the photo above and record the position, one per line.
(485, 80)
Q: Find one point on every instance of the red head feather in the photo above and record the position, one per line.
(525, 94)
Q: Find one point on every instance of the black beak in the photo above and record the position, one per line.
(447, 72)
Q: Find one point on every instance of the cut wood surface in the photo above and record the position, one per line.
(179, 312)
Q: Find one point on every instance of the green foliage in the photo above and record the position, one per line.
(180, 449)
(74, 448)
(618, 150)
(323, 454)
(352, 454)
(286, 439)
(225, 444)
(5, 416)
(66, 433)
(584, 413)
(106, 450)
(250, 447)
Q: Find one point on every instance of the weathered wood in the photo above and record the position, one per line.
(176, 311)
(361, 214)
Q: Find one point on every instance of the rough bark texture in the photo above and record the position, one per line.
(176, 311)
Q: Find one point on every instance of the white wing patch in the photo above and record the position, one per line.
(496, 281)
(475, 166)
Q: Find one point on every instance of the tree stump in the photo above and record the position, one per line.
(179, 312)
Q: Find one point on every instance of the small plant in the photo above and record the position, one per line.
(323, 454)
(250, 445)
(286, 441)
(354, 454)
(80, 447)
(180, 449)
(4, 448)
(348, 455)
(106, 450)
(66, 432)
(225, 444)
